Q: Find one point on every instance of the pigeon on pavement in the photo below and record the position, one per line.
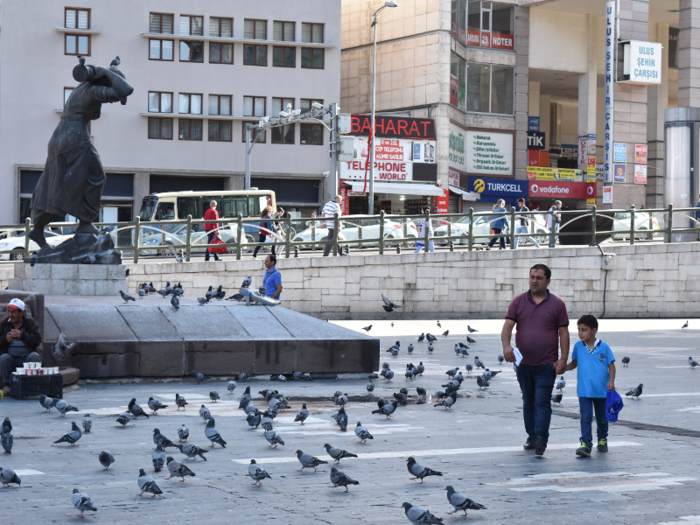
(87, 423)
(471, 341)
(452, 372)
(214, 396)
(192, 451)
(160, 439)
(420, 516)
(370, 386)
(7, 440)
(420, 397)
(625, 361)
(635, 392)
(70, 437)
(146, 484)
(254, 418)
(231, 386)
(180, 401)
(448, 401)
(421, 337)
(557, 398)
(685, 325)
(430, 347)
(692, 362)
(177, 470)
(488, 375)
(258, 474)
(338, 453)
(199, 377)
(47, 402)
(430, 337)
(309, 461)
(483, 383)
(340, 479)
(445, 333)
(469, 368)
(106, 459)
(561, 384)
(204, 413)
(155, 405)
(302, 414)
(500, 359)
(410, 348)
(460, 501)
(126, 297)
(123, 419)
(8, 476)
(213, 435)
(245, 398)
(183, 433)
(64, 407)
(478, 363)
(362, 433)
(420, 368)
(135, 409)
(387, 409)
(419, 471)
(341, 418)
(273, 438)
(82, 502)
(158, 458)
(471, 330)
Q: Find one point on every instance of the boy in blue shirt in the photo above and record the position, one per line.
(595, 376)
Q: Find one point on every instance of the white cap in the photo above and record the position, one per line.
(16, 304)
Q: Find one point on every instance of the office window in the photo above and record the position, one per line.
(190, 103)
(160, 23)
(77, 18)
(254, 106)
(312, 58)
(160, 128)
(458, 78)
(220, 104)
(66, 93)
(311, 134)
(254, 55)
(191, 25)
(305, 104)
(220, 131)
(159, 102)
(221, 27)
(77, 45)
(190, 129)
(191, 51)
(283, 31)
(261, 136)
(673, 35)
(284, 56)
(459, 20)
(285, 134)
(490, 89)
(220, 53)
(490, 24)
(160, 49)
(312, 33)
(255, 29)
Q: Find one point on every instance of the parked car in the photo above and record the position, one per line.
(176, 236)
(13, 247)
(482, 230)
(370, 231)
(645, 225)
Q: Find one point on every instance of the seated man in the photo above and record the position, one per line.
(272, 278)
(20, 340)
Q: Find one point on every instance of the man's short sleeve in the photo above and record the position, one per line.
(562, 316)
(276, 279)
(512, 312)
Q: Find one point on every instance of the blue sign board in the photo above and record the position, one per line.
(533, 123)
(498, 187)
(620, 152)
(620, 173)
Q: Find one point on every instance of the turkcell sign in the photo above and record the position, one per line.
(608, 93)
(498, 187)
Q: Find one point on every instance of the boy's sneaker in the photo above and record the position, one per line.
(602, 445)
(584, 450)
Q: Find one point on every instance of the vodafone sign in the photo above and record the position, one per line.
(562, 190)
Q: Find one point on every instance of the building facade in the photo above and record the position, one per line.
(200, 70)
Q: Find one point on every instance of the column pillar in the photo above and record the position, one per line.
(689, 54)
(657, 98)
(588, 85)
(522, 76)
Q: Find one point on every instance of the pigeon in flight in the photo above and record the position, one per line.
(192, 451)
(685, 325)
(87, 423)
(258, 474)
(448, 401)
(388, 305)
(155, 406)
(178, 258)
(199, 377)
(158, 458)
(367, 328)
(7, 440)
(421, 337)
(72, 436)
(62, 350)
(8, 476)
(471, 330)
(212, 435)
(625, 361)
(460, 501)
(115, 62)
(692, 362)
(106, 459)
(146, 484)
(338, 453)
(635, 392)
(126, 297)
(136, 410)
(309, 461)
(340, 479)
(47, 402)
(180, 401)
(419, 471)
(362, 433)
(82, 502)
(420, 516)
(177, 470)
(302, 414)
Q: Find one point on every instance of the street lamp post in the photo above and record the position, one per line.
(370, 202)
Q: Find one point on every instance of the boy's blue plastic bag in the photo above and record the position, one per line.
(613, 406)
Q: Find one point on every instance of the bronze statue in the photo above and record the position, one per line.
(73, 177)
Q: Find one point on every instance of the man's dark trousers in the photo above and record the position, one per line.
(537, 384)
(210, 237)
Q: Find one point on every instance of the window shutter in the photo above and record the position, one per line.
(197, 26)
(196, 104)
(83, 19)
(167, 24)
(184, 106)
(227, 27)
(278, 31)
(318, 34)
(70, 18)
(249, 30)
(225, 105)
(214, 26)
(305, 32)
(247, 106)
(154, 25)
(259, 106)
(213, 104)
(289, 31)
(260, 29)
(184, 25)
(276, 107)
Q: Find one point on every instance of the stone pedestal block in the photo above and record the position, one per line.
(69, 279)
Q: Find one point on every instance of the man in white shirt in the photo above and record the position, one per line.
(329, 210)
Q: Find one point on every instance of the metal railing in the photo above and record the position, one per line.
(392, 230)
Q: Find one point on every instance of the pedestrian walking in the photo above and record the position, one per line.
(272, 280)
(211, 228)
(420, 242)
(553, 222)
(543, 329)
(498, 224)
(523, 224)
(268, 229)
(329, 210)
(595, 375)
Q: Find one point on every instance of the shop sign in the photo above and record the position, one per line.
(443, 202)
(620, 172)
(591, 165)
(607, 194)
(498, 187)
(393, 127)
(562, 190)
(453, 178)
(640, 174)
(533, 123)
(535, 140)
(494, 40)
(640, 153)
(394, 159)
(620, 152)
(590, 202)
(608, 88)
(489, 152)
(644, 62)
(457, 154)
(544, 173)
(345, 204)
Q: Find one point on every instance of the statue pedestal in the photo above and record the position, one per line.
(81, 248)
(69, 279)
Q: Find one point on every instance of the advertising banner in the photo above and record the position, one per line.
(620, 172)
(607, 194)
(393, 162)
(545, 173)
(535, 140)
(562, 190)
(498, 187)
(453, 178)
(640, 174)
(533, 123)
(640, 153)
(620, 152)
(610, 42)
(489, 152)
(457, 155)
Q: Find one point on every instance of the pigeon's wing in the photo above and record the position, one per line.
(386, 301)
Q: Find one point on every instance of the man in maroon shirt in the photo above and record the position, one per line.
(211, 215)
(543, 328)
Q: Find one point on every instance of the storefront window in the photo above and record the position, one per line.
(458, 75)
(490, 24)
(459, 16)
(490, 89)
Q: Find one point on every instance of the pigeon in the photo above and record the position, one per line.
(273, 438)
(309, 461)
(180, 401)
(231, 387)
(177, 469)
(219, 294)
(430, 337)
(471, 341)
(199, 377)
(501, 359)
(388, 374)
(471, 330)
(388, 305)
(338, 453)
(488, 375)
(302, 414)
(469, 368)
(204, 413)
(452, 372)
(82, 501)
(387, 409)
(70, 437)
(392, 324)
(202, 301)
(146, 484)
(266, 421)
(362, 433)
(635, 392)
(394, 349)
(557, 398)
(141, 292)
(135, 409)
(258, 474)
(409, 372)
(175, 302)
(340, 479)
(483, 383)
(8, 476)
(106, 459)
(420, 368)
(7, 440)
(160, 439)
(448, 401)
(245, 398)
(341, 418)
(421, 337)
(439, 325)
(421, 397)
(63, 348)
(162, 293)
(445, 333)
(420, 516)
(341, 399)
(367, 328)
(7, 424)
(419, 471)
(192, 451)
(410, 349)
(168, 288)
(115, 62)
(209, 294)
(34, 257)
(685, 325)
(299, 376)
(625, 361)
(155, 406)
(692, 362)
(561, 383)
(250, 409)
(370, 386)
(158, 458)
(213, 435)
(64, 407)
(430, 347)
(123, 419)
(458, 349)
(87, 423)
(461, 502)
(126, 297)
(254, 418)
(183, 433)
(47, 402)
(478, 363)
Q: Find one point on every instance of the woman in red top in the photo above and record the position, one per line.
(212, 228)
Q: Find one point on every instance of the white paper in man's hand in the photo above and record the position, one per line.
(518, 357)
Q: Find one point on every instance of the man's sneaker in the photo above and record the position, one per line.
(540, 446)
(528, 444)
(584, 450)
(602, 445)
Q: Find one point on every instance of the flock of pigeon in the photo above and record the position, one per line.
(175, 291)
